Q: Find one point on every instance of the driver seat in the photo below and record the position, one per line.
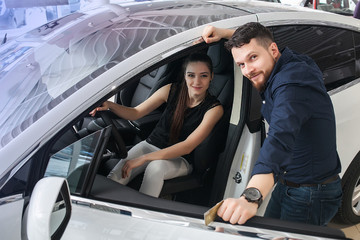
(207, 153)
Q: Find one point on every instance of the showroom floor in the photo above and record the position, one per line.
(351, 231)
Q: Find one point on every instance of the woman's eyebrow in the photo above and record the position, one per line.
(194, 72)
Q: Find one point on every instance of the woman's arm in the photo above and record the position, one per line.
(144, 108)
(211, 117)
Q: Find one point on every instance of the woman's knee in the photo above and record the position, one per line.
(155, 169)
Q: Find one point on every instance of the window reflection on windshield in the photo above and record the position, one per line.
(10, 55)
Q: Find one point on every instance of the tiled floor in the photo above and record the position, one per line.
(351, 231)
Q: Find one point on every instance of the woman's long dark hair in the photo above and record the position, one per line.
(183, 97)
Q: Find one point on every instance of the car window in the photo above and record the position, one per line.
(17, 184)
(357, 52)
(344, 7)
(73, 161)
(331, 48)
(254, 118)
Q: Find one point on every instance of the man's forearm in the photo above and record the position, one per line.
(263, 182)
(226, 33)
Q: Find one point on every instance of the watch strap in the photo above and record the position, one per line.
(250, 199)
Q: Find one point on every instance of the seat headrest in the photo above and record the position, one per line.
(220, 57)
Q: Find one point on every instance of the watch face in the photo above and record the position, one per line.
(253, 193)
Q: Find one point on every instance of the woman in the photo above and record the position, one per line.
(189, 117)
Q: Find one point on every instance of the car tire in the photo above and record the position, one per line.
(350, 213)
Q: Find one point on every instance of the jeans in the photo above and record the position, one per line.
(314, 205)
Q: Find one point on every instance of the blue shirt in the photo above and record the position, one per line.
(301, 142)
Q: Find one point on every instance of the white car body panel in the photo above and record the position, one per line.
(87, 223)
(245, 156)
(11, 210)
(90, 223)
(321, 18)
(347, 130)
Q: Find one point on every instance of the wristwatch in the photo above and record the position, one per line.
(253, 195)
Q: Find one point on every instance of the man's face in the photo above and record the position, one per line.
(256, 62)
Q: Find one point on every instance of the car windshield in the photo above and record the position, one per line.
(46, 65)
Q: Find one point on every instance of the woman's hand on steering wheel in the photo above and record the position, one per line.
(103, 107)
(109, 121)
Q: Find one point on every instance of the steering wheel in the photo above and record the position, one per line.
(119, 142)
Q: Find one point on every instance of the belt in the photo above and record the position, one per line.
(296, 185)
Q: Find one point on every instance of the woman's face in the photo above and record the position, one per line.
(197, 77)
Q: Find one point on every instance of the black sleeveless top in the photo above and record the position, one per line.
(193, 117)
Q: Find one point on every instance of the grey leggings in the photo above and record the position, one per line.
(155, 171)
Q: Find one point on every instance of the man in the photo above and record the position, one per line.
(299, 153)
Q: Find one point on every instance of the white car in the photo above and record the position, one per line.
(54, 157)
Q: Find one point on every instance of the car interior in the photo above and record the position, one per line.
(207, 153)
(195, 188)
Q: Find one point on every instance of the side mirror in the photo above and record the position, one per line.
(49, 209)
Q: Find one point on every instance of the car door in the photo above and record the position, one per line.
(11, 209)
(13, 199)
(244, 140)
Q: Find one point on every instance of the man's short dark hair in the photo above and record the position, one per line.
(248, 31)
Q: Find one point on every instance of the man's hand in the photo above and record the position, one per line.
(240, 210)
(212, 34)
(237, 210)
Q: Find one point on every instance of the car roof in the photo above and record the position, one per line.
(37, 79)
